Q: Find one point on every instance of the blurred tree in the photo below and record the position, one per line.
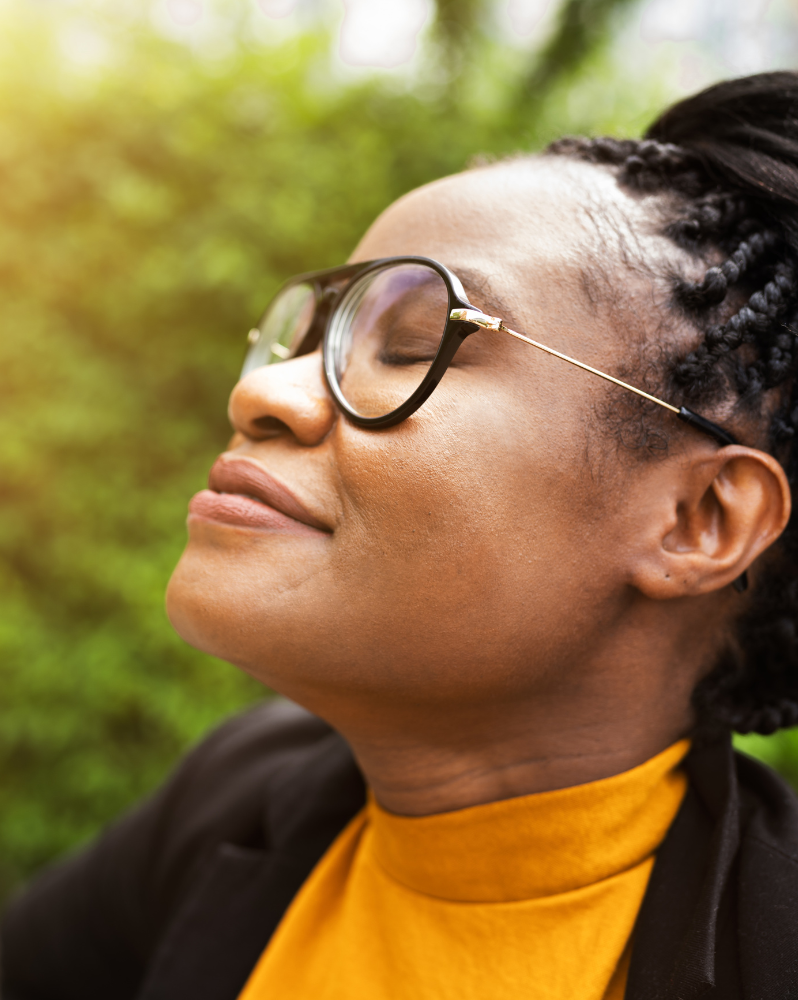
(459, 23)
(152, 198)
(148, 210)
(582, 27)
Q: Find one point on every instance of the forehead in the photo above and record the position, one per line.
(522, 232)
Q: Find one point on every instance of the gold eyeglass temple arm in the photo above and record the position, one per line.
(494, 323)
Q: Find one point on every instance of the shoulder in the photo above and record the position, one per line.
(243, 785)
(770, 812)
(274, 776)
(270, 730)
(767, 880)
(250, 778)
(226, 779)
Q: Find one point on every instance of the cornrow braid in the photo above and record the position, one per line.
(711, 216)
(644, 163)
(731, 153)
(713, 289)
(754, 322)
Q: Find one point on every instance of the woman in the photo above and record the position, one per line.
(529, 602)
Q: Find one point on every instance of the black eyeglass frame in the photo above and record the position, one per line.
(462, 320)
(327, 299)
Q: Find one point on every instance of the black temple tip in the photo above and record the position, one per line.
(706, 426)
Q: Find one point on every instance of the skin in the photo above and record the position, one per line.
(505, 601)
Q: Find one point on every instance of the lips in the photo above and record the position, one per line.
(244, 494)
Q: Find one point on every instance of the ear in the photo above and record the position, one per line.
(712, 516)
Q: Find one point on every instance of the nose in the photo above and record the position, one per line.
(289, 397)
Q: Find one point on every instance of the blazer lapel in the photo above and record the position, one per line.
(219, 933)
(687, 913)
(768, 941)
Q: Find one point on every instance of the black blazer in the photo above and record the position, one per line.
(178, 899)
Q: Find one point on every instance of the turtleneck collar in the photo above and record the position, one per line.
(535, 845)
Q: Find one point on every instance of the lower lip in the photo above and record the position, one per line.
(244, 512)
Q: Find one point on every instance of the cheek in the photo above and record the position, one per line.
(458, 518)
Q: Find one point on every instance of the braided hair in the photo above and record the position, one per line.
(728, 159)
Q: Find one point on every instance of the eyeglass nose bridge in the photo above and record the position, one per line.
(277, 349)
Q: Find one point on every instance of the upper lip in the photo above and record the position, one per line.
(242, 475)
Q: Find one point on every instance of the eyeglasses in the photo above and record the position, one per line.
(389, 329)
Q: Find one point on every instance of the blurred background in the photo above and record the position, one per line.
(163, 167)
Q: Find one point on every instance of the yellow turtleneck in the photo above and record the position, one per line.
(534, 896)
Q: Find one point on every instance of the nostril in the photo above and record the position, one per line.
(268, 427)
(287, 402)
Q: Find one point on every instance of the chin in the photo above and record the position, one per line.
(224, 609)
(235, 592)
(193, 608)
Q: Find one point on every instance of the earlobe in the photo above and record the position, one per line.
(718, 516)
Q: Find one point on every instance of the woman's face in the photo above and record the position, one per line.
(478, 550)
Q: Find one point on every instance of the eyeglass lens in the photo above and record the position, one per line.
(286, 322)
(385, 334)
(382, 336)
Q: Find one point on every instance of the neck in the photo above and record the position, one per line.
(588, 719)
(435, 759)
(417, 778)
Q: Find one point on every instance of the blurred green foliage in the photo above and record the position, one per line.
(149, 205)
